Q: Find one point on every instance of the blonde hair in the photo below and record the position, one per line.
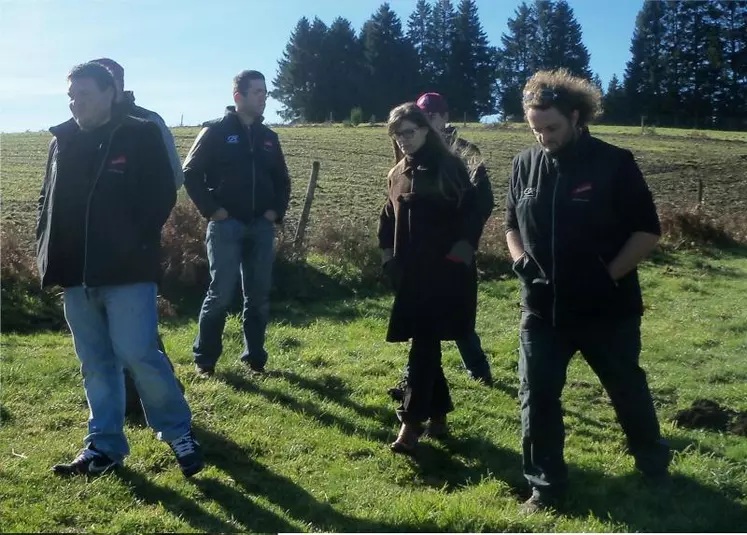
(565, 92)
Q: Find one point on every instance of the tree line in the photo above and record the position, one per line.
(688, 64)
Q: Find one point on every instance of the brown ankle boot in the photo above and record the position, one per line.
(407, 439)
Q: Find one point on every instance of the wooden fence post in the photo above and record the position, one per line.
(301, 230)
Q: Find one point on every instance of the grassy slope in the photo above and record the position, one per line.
(304, 448)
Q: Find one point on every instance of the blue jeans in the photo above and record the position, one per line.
(236, 249)
(115, 327)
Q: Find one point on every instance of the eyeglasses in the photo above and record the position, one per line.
(544, 97)
(407, 133)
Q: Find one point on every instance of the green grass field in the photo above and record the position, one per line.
(355, 161)
(305, 447)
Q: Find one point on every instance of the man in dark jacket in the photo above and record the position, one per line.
(107, 192)
(124, 104)
(235, 173)
(579, 219)
(470, 348)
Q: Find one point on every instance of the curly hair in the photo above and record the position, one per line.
(566, 92)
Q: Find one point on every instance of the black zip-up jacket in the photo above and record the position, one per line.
(574, 212)
(126, 195)
(237, 168)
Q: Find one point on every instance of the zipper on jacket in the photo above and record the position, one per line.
(88, 205)
(254, 174)
(552, 253)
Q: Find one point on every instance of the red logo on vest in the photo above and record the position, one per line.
(119, 160)
(582, 188)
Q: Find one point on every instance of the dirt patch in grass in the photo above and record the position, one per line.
(709, 415)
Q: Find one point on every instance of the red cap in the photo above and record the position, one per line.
(432, 103)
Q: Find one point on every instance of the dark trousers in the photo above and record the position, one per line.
(612, 349)
(427, 392)
(473, 357)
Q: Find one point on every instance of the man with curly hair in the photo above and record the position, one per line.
(579, 218)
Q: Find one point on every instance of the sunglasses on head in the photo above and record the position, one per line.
(544, 97)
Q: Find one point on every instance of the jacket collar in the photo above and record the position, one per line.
(231, 111)
(70, 127)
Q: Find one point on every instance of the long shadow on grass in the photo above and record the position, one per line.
(384, 431)
(688, 506)
(195, 515)
(335, 389)
(458, 462)
(254, 479)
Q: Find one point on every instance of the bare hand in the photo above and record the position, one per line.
(219, 215)
(271, 216)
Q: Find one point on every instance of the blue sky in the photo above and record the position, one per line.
(180, 56)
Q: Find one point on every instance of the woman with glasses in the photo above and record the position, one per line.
(428, 232)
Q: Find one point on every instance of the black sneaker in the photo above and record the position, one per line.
(254, 367)
(89, 461)
(485, 379)
(188, 454)
(203, 372)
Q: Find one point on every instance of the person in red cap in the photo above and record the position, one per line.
(124, 104)
(435, 108)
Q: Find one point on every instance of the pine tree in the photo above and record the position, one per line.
(391, 63)
(343, 69)
(471, 67)
(644, 73)
(439, 41)
(294, 80)
(567, 49)
(614, 103)
(515, 61)
(732, 108)
(417, 33)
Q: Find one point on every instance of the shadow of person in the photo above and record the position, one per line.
(254, 479)
(382, 430)
(683, 505)
(454, 462)
(335, 389)
(180, 506)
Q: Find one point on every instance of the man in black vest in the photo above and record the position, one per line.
(106, 195)
(579, 219)
(235, 173)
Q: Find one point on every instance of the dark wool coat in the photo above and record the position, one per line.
(435, 296)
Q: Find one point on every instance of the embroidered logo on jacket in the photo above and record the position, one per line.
(233, 139)
(582, 188)
(268, 145)
(116, 165)
(577, 194)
